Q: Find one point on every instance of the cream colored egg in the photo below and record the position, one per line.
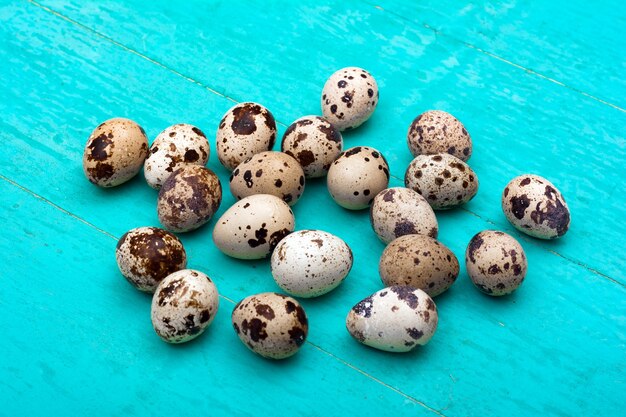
(435, 132)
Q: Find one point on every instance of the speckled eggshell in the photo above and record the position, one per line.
(245, 130)
(115, 152)
(400, 211)
(436, 131)
(146, 255)
(536, 207)
(357, 176)
(269, 172)
(349, 97)
(252, 227)
(419, 261)
(444, 180)
(394, 319)
(314, 142)
(272, 325)
(495, 262)
(178, 145)
(184, 305)
(309, 263)
(189, 198)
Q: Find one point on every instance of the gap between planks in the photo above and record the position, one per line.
(230, 300)
(233, 100)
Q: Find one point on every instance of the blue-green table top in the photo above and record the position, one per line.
(540, 86)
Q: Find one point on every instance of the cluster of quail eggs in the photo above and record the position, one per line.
(414, 267)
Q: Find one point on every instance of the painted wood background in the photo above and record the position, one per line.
(541, 87)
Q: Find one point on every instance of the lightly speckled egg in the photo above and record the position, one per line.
(349, 97)
(357, 176)
(495, 262)
(394, 319)
(146, 255)
(309, 263)
(314, 142)
(419, 261)
(399, 211)
(536, 207)
(272, 325)
(189, 198)
(444, 180)
(252, 227)
(269, 172)
(184, 305)
(174, 147)
(115, 152)
(245, 130)
(436, 131)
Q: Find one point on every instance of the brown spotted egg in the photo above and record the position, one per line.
(536, 207)
(444, 180)
(245, 130)
(115, 152)
(357, 176)
(496, 262)
(314, 142)
(436, 132)
(394, 319)
(272, 325)
(146, 255)
(252, 227)
(183, 306)
(189, 198)
(177, 145)
(419, 261)
(269, 172)
(400, 211)
(309, 263)
(349, 97)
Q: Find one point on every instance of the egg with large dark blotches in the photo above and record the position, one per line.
(115, 152)
(314, 142)
(495, 262)
(419, 261)
(245, 130)
(399, 211)
(394, 319)
(269, 172)
(189, 198)
(536, 207)
(436, 131)
(183, 306)
(146, 255)
(272, 325)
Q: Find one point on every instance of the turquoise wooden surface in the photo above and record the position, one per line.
(535, 95)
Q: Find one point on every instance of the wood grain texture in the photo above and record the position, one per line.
(556, 347)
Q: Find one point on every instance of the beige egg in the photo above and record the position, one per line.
(269, 172)
(310, 263)
(394, 319)
(183, 306)
(272, 325)
(419, 261)
(357, 176)
(115, 152)
(349, 97)
(245, 130)
(189, 198)
(314, 142)
(536, 207)
(146, 255)
(495, 262)
(178, 145)
(400, 211)
(444, 180)
(252, 227)
(435, 132)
